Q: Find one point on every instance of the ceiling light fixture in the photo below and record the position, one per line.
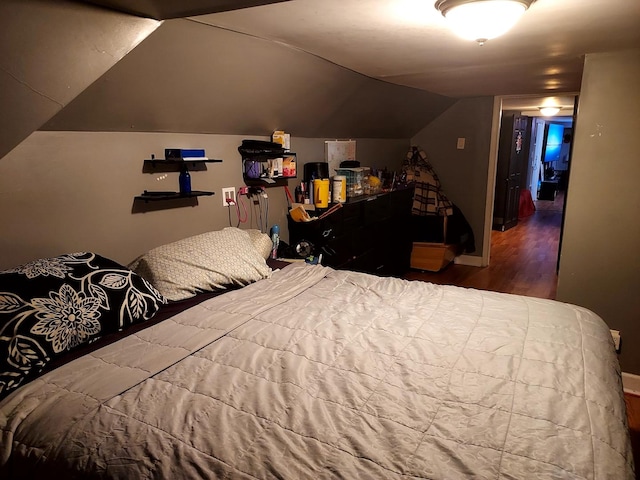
(549, 111)
(482, 20)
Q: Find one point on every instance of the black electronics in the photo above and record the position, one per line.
(315, 170)
(350, 164)
(260, 148)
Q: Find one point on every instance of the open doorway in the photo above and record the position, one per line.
(533, 165)
(532, 171)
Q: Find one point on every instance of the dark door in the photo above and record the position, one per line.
(513, 153)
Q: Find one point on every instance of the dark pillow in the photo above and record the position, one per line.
(52, 306)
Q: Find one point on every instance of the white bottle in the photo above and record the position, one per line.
(339, 189)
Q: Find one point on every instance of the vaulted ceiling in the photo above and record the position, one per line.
(368, 67)
(192, 78)
(407, 42)
(165, 9)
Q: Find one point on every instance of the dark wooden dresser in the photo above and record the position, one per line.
(368, 234)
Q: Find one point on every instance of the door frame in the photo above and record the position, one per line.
(491, 184)
(496, 120)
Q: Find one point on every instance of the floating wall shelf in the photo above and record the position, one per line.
(173, 199)
(155, 196)
(161, 165)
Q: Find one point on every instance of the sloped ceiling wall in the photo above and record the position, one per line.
(191, 77)
(50, 52)
(72, 66)
(163, 9)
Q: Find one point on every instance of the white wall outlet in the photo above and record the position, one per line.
(228, 196)
(461, 142)
(616, 339)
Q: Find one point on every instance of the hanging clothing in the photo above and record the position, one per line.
(431, 208)
(428, 199)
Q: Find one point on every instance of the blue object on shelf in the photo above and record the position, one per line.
(183, 153)
(185, 181)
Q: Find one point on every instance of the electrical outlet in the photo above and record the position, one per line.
(228, 196)
(616, 339)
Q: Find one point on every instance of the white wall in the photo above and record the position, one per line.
(600, 252)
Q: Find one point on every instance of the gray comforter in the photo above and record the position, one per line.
(316, 373)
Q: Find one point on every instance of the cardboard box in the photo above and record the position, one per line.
(432, 257)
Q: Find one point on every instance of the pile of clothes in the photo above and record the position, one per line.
(434, 217)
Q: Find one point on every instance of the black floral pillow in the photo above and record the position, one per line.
(52, 306)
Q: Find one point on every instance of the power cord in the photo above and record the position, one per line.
(240, 218)
(259, 207)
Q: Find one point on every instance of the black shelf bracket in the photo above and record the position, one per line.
(148, 196)
(154, 165)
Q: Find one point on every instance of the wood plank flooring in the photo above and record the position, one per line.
(523, 261)
(523, 258)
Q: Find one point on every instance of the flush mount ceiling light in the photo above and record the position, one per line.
(482, 20)
(549, 111)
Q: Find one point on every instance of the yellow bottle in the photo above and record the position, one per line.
(321, 193)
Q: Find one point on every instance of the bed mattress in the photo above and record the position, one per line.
(316, 373)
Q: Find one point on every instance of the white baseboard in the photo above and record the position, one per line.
(631, 383)
(469, 260)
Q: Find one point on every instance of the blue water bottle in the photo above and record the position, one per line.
(275, 239)
(185, 181)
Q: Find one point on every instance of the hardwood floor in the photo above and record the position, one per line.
(523, 258)
(523, 261)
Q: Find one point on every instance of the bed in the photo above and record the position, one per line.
(310, 372)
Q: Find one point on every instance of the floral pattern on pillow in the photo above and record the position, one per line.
(51, 306)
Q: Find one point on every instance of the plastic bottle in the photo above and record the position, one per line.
(275, 239)
(339, 189)
(185, 181)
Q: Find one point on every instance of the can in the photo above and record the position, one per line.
(339, 189)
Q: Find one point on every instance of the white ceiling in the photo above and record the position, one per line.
(407, 42)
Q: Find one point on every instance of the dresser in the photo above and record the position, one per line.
(369, 234)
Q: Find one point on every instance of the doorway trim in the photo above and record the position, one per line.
(491, 180)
